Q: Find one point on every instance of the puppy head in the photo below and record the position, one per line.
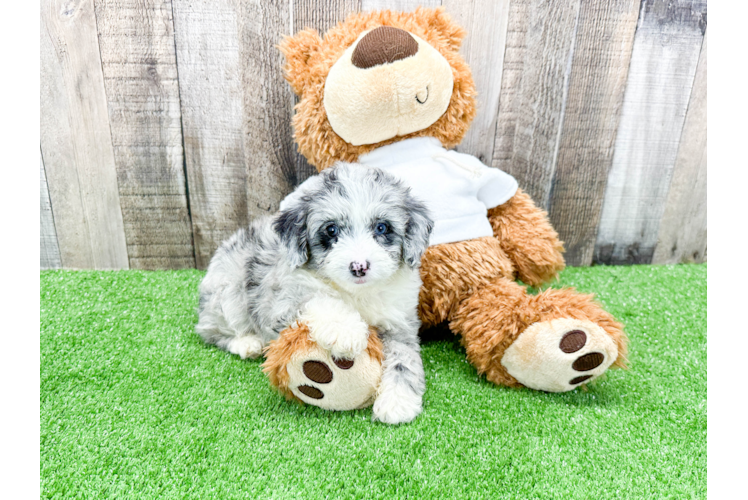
(354, 225)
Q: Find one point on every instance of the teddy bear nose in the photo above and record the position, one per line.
(383, 45)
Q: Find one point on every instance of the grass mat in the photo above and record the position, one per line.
(134, 405)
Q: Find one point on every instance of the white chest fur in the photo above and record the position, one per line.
(389, 305)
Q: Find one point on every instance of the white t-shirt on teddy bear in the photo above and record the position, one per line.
(457, 188)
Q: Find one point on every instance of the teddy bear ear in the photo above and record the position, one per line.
(298, 49)
(439, 21)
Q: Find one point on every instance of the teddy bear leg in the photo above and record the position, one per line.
(302, 370)
(526, 235)
(553, 342)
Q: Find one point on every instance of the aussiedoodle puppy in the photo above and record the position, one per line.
(343, 253)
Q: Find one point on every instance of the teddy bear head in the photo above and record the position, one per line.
(378, 78)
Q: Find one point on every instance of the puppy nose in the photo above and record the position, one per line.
(358, 269)
(383, 45)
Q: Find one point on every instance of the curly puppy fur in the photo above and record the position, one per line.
(309, 59)
(341, 257)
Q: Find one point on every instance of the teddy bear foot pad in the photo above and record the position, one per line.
(559, 355)
(317, 378)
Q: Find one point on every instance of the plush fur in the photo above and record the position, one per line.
(343, 256)
(309, 59)
(491, 319)
(453, 271)
(528, 239)
(424, 80)
(294, 346)
(470, 284)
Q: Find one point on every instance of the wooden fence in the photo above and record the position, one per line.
(165, 125)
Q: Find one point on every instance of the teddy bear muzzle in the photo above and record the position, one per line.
(388, 83)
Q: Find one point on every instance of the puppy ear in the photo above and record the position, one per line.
(290, 224)
(298, 49)
(417, 231)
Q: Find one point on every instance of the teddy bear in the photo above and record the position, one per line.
(390, 90)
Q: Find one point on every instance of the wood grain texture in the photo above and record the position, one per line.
(210, 86)
(549, 46)
(402, 5)
(165, 124)
(268, 106)
(510, 95)
(602, 53)
(49, 251)
(76, 140)
(483, 48)
(682, 235)
(138, 58)
(56, 136)
(663, 64)
(321, 17)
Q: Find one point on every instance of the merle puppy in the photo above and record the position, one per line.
(342, 254)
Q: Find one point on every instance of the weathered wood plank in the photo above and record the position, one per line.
(549, 45)
(76, 140)
(210, 83)
(510, 95)
(401, 5)
(49, 254)
(321, 17)
(663, 64)
(136, 39)
(236, 111)
(682, 235)
(56, 136)
(602, 53)
(483, 48)
(268, 106)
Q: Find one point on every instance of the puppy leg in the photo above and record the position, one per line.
(249, 346)
(403, 383)
(245, 345)
(335, 326)
(216, 328)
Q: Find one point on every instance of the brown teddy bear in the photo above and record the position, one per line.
(390, 90)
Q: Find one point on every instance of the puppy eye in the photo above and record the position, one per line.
(332, 230)
(381, 228)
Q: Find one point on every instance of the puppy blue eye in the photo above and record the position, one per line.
(381, 228)
(332, 230)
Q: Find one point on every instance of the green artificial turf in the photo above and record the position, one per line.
(134, 405)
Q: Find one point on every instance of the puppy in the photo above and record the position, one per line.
(342, 254)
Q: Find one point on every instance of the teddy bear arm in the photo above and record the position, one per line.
(303, 371)
(526, 235)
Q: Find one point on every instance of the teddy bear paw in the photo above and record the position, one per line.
(320, 379)
(560, 354)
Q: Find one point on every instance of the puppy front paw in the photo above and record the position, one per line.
(336, 327)
(397, 407)
(343, 340)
